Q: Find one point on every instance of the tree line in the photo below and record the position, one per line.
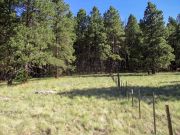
(42, 38)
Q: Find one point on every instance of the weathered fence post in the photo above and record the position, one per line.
(139, 98)
(126, 89)
(118, 81)
(132, 95)
(154, 114)
(169, 120)
(121, 86)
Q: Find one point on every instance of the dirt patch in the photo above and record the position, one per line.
(4, 98)
(45, 92)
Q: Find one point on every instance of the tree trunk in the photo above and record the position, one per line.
(153, 71)
(148, 72)
(10, 78)
(9, 81)
(57, 72)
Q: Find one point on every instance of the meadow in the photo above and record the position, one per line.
(89, 105)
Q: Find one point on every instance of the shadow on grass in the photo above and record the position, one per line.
(172, 82)
(169, 92)
(107, 75)
(107, 93)
(90, 75)
(4, 84)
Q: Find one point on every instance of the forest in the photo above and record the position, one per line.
(89, 72)
(42, 38)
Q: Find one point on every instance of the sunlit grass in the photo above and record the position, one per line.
(87, 105)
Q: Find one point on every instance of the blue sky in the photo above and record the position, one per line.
(126, 7)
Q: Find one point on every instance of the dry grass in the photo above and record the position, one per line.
(88, 105)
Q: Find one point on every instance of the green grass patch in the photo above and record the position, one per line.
(89, 105)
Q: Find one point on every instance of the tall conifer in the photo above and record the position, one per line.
(157, 53)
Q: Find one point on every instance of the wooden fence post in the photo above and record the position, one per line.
(121, 85)
(132, 95)
(126, 89)
(139, 98)
(169, 120)
(154, 113)
(118, 81)
(122, 88)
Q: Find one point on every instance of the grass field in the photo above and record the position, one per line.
(89, 105)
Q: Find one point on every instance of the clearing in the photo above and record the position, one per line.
(89, 105)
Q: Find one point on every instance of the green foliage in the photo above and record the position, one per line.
(81, 44)
(21, 76)
(100, 49)
(157, 53)
(63, 28)
(97, 36)
(133, 44)
(33, 37)
(115, 36)
(173, 28)
(8, 22)
(46, 39)
(91, 46)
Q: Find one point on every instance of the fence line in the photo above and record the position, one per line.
(154, 114)
(123, 88)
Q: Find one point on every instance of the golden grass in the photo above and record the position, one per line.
(88, 105)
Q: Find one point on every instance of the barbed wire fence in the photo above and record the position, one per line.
(132, 94)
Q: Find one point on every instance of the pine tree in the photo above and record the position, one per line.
(115, 36)
(177, 40)
(63, 28)
(81, 44)
(133, 43)
(157, 53)
(173, 28)
(33, 37)
(8, 22)
(98, 47)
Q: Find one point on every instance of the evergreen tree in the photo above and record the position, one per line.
(81, 44)
(157, 53)
(173, 28)
(115, 36)
(8, 22)
(63, 28)
(177, 46)
(133, 43)
(98, 48)
(33, 37)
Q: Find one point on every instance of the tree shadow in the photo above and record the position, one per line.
(172, 82)
(109, 74)
(107, 93)
(4, 84)
(90, 75)
(169, 92)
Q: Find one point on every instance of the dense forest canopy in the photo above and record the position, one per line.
(42, 38)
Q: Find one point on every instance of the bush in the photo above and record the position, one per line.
(21, 76)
